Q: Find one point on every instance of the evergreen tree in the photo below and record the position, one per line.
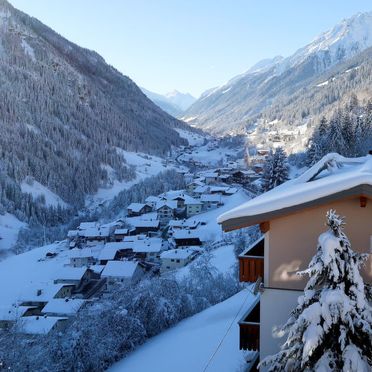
(331, 328)
(275, 169)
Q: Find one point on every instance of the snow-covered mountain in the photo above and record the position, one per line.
(66, 113)
(245, 96)
(174, 103)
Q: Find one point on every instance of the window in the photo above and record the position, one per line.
(178, 261)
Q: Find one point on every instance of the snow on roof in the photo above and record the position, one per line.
(84, 253)
(172, 204)
(124, 269)
(201, 189)
(136, 207)
(39, 325)
(87, 225)
(13, 313)
(121, 231)
(196, 182)
(145, 223)
(97, 268)
(334, 173)
(92, 232)
(183, 223)
(63, 306)
(42, 293)
(72, 233)
(210, 198)
(186, 234)
(109, 250)
(148, 245)
(178, 253)
(191, 201)
(71, 273)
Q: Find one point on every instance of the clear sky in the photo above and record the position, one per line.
(189, 45)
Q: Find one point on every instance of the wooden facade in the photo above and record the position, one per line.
(249, 327)
(251, 262)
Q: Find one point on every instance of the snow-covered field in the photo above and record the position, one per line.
(194, 139)
(9, 228)
(37, 189)
(191, 345)
(146, 166)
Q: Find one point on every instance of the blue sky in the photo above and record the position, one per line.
(189, 45)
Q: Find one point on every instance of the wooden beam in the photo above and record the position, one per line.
(363, 201)
(265, 226)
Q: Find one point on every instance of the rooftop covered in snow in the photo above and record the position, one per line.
(334, 177)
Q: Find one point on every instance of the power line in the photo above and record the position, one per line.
(228, 329)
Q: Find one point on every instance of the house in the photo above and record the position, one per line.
(149, 249)
(63, 307)
(95, 234)
(83, 257)
(193, 185)
(193, 206)
(120, 233)
(122, 272)
(210, 177)
(166, 210)
(186, 238)
(145, 226)
(291, 217)
(136, 209)
(211, 201)
(78, 276)
(201, 190)
(112, 251)
(40, 325)
(240, 176)
(11, 315)
(152, 201)
(176, 258)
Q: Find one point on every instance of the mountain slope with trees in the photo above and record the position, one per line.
(65, 111)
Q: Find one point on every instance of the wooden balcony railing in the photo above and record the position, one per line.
(249, 327)
(251, 262)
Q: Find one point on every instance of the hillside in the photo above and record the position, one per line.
(282, 81)
(65, 111)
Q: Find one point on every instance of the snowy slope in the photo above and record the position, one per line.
(194, 139)
(37, 189)
(189, 345)
(9, 228)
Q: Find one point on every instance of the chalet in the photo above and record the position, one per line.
(186, 238)
(120, 233)
(193, 206)
(210, 201)
(78, 276)
(225, 178)
(41, 325)
(201, 190)
(63, 307)
(10, 315)
(136, 209)
(166, 210)
(183, 224)
(95, 234)
(112, 251)
(291, 217)
(122, 272)
(145, 226)
(240, 176)
(176, 258)
(152, 201)
(193, 185)
(83, 257)
(211, 177)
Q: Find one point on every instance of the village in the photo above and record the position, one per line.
(155, 238)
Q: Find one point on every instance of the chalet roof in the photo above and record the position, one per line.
(121, 231)
(334, 177)
(95, 232)
(136, 207)
(145, 223)
(178, 254)
(172, 204)
(148, 245)
(110, 249)
(183, 223)
(191, 201)
(63, 306)
(152, 199)
(39, 325)
(84, 253)
(13, 313)
(71, 273)
(186, 234)
(214, 198)
(87, 225)
(122, 269)
(41, 293)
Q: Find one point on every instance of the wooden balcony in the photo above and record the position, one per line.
(249, 327)
(251, 262)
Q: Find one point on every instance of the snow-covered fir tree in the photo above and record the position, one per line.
(275, 169)
(331, 328)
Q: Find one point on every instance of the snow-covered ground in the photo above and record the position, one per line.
(37, 189)
(146, 166)
(9, 228)
(194, 139)
(28, 272)
(193, 344)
